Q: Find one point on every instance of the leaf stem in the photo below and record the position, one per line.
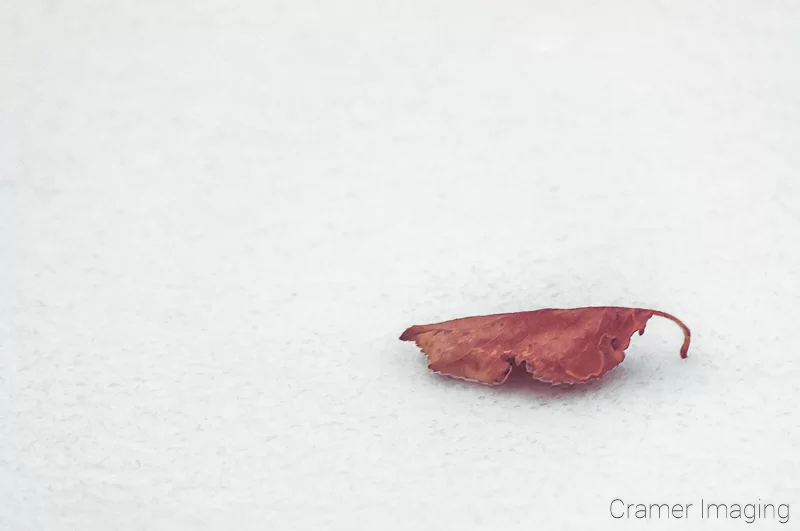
(687, 334)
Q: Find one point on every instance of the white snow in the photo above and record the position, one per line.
(217, 217)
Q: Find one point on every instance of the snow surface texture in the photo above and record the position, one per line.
(217, 218)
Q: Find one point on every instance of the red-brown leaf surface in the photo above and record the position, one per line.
(558, 346)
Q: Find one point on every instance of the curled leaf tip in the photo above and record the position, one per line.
(411, 333)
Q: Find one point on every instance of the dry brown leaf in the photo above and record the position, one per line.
(567, 346)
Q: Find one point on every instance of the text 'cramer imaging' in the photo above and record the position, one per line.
(705, 510)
